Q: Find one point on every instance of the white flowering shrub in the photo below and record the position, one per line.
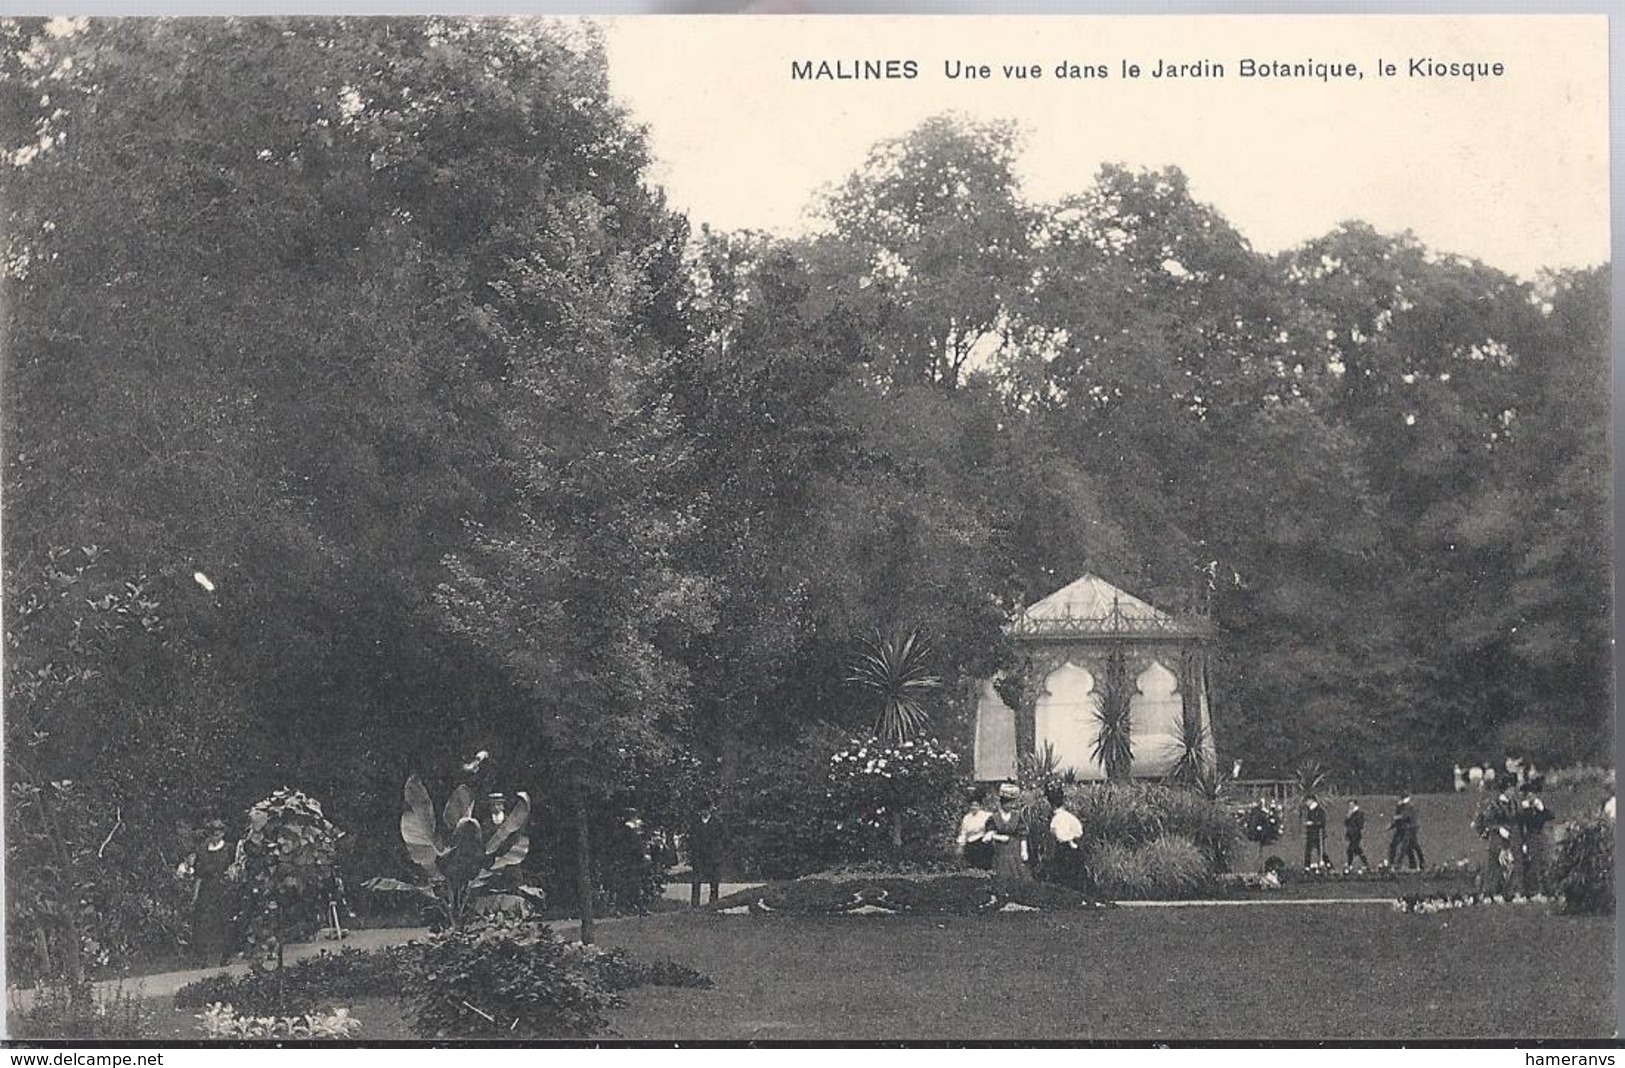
(878, 786)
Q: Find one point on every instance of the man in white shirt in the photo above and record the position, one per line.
(1066, 840)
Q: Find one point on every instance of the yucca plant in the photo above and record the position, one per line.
(1114, 745)
(460, 860)
(1192, 764)
(895, 675)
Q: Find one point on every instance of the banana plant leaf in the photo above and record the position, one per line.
(396, 886)
(463, 861)
(459, 807)
(419, 830)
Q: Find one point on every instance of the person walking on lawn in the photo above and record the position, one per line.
(1353, 837)
(1314, 833)
(1411, 827)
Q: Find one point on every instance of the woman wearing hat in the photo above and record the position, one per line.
(1007, 831)
(213, 898)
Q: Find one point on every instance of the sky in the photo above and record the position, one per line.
(1511, 170)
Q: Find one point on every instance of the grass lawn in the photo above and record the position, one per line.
(1201, 973)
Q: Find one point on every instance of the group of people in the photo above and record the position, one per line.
(1404, 838)
(996, 837)
(1515, 829)
(1515, 773)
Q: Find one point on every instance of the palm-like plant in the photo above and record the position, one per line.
(1191, 765)
(454, 851)
(1114, 745)
(895, 674)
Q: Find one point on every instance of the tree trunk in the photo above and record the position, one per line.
(584, 880)
(897, 830)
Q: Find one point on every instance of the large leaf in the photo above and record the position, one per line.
(463, 861)
(396, 886)
(518, 849)
(418, 828)
(459, 807)
(503, 837)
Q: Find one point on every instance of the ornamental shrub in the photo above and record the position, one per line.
(1136, 814)
(880, 787)
(1583, 870)
(325, 981)
(1166, 867)
(287, 860)
(498, 977)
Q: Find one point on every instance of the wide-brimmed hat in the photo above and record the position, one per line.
(1009, 791)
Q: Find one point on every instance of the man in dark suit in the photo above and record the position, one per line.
(705, 847)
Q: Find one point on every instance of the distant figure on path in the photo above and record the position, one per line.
(1489, 776)
(705, 848)
(1458, 778)
(1475, 777)
(1007, 830)
(1314, 833)
(1066, 838)
(973, 843)
(214, 898)
(1354, 836)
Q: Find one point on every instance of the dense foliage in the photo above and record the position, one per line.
(289, 871)
(1582, 872)
(366, 400)
(506, 978)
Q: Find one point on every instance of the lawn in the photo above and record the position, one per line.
(1144, 973)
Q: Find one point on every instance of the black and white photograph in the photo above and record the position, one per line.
(807, 529)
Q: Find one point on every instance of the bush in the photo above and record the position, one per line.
(68, 1011)
(321, 982)
(779, 816)
(1137, 814)
(1165, 867)
(499, 977)
(1583, 870)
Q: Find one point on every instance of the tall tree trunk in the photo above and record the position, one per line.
(583, 866)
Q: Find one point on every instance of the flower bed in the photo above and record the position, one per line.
(948, 893)
(1426, 904)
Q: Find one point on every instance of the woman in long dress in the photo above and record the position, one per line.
(1007, 830)
(213, 899)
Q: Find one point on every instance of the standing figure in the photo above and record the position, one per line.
(1413, 833)
(1314, 833)
(1532, 820)
(1007, 830)
(1066, 840)
(1354, 836)
(973, 842)
(1475, 777)
(214, 898)
(705, 848)
(1458, 778)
